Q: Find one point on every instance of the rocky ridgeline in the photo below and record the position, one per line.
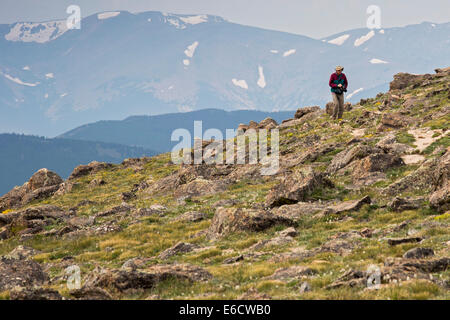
(398, 131)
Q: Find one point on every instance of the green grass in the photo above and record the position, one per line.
(406, 138)
(443, 142)
(148, 237)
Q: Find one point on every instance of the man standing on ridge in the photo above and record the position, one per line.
(338, 83)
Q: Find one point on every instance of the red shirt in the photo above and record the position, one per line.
(334, 77)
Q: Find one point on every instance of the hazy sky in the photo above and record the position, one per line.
(314, 18)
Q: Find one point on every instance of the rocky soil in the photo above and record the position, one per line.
(359, 209)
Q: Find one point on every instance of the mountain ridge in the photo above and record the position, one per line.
(136, 130)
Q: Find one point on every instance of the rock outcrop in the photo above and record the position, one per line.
(227, 220)
(29, 221)
(21, 273)
(122, 280)
(44, 183)
(304, 111)
(440, 199)
(84, 170)
(295, 187)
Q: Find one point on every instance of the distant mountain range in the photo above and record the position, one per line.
(121, 64)
(154, 132)
(23, 155)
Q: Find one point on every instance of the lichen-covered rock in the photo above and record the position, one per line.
(44, 178)
(125, 279)
(299, 209)
(21, 273)
(440, 199)
(123, 208)
(419, 180)
(21, 252)
(295, 187)
(400, 204)
(394, 121)
(291, 273)
(304, 111)
(31, 220)
(397, 241)
(347, 206)
(339, 246)
(84, 170)
(201, 187)
(389, 144)
(304, 119)
(379, 162)
(228, 220)
(348, 106)
(268, 124)
(345, 157)
(351, 278)
(253, 294)
(403, 80)
(329, 107)
(180, 247)
(34, 294)
(418, 253)
(44, 183)
(192, 216)
(91, 293)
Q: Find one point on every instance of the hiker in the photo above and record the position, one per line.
(338, 84)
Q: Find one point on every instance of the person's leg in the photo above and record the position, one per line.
(335, 105)
(341, 106)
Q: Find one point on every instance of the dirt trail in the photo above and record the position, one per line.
(424, 137)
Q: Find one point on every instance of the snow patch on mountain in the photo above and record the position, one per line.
(195, 19)
(107, 15)
(261, 81)
(36, 32)
(339, 40)
(186, 62)
(381, 31)
(365, 38)
(26, 68)
(191, 49)
(377, 61)
(354, 92)
(274, 51)
(18, 81)
(289, 52)
(175, 22)
(240, 83)
(49, 75)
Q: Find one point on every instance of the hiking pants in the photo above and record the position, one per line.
(338, 100)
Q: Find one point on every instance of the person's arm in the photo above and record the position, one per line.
(331, 83)
(345, 82)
